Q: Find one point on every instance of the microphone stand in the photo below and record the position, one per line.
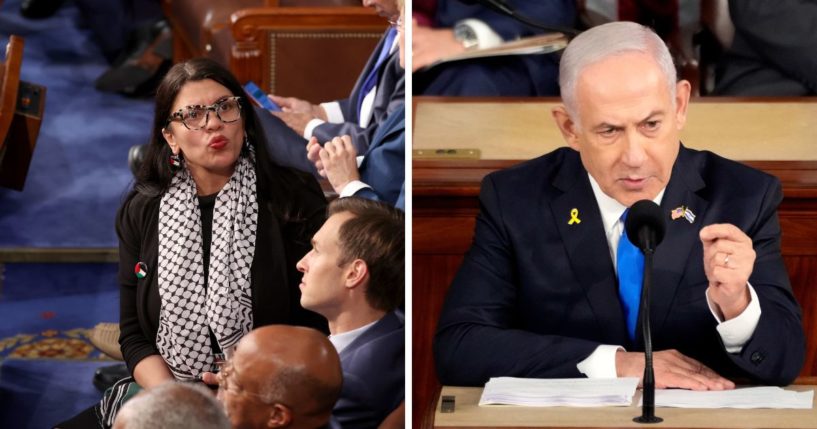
(648, 385)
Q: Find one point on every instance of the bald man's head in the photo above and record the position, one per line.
(281, 376)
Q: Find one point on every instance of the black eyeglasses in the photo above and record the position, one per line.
(195, 117)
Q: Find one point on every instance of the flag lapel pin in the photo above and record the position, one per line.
(141, 270)
(688, 215)
(677, 213)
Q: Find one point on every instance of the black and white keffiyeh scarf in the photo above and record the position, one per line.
(225, 306)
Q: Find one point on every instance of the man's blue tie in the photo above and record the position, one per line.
(371, 78)
(630, 265)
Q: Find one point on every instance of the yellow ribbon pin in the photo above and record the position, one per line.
(574, 217)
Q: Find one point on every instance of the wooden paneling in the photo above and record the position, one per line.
(427, 289)
(803, 274)
(445, 205)
(310, 49)
(312, 53)
(513, 129)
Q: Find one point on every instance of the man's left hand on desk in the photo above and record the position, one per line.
(672, 369)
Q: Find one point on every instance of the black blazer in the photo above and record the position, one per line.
(535, 295)
(275, 292)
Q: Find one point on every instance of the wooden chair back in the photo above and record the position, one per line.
(21, 110)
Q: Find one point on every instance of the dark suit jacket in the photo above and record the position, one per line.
(765, 61)
(535, 295)
(527, 75)
(373, 375)
(383, 166)
(288, 148)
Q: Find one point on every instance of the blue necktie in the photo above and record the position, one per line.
(371, 78)
(630, 265)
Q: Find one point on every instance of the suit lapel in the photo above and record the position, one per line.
(386, 324)
(672, 255)
(586, 247)
(384, 130)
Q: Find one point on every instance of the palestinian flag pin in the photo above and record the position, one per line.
(141, 270)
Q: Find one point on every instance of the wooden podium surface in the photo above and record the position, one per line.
(467, 414)
(771, 135)
(750, 129)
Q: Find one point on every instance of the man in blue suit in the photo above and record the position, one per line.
(354, 276)
(539, 292)
(380, 173)
(461, 26)
(379, 90)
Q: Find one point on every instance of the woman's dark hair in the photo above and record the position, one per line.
(275, 183)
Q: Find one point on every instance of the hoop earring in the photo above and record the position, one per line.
(175, 162)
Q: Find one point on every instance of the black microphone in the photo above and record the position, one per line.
(504, 8)
(645, 226)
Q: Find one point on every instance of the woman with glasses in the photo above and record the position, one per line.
(208, 237)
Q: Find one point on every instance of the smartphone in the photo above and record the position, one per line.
(260, 98)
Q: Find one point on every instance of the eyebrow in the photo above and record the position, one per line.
(652, 115)
(220, 99)
(605, 125)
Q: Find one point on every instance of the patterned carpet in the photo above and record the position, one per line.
(46, 358)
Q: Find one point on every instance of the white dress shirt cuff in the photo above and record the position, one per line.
(351, 188)
(736, 332)
(333, 112)
(310, 127)
(486, 36)
(601, 363)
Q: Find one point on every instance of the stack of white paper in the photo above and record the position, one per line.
(747, 397)
(566, 392)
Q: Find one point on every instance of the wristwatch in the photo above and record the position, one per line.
(466, 35)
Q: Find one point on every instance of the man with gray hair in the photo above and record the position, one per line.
(173, 406)
(551, 283)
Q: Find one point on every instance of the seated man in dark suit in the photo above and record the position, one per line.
(460, 26)
(539, 294)
(354, 276)
(764, 61)
(378, 91)
(379, 173)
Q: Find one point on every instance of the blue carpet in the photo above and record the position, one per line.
(78, 175)
(35, 281)
(75, 184)
(43, 393)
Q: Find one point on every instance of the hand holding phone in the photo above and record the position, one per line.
(260, 98)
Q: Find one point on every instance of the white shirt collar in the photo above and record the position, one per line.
(611, 210)
(342, 340)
